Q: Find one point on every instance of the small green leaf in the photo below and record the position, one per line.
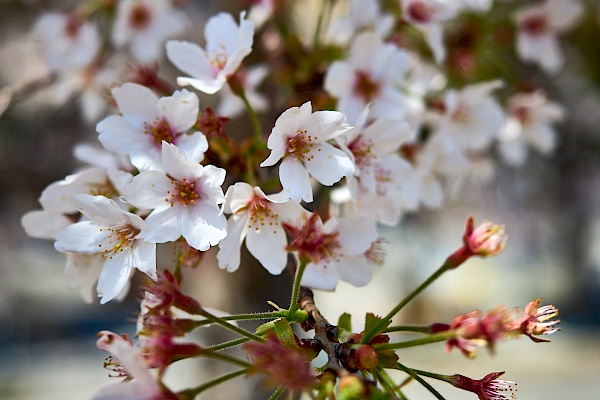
(345, 322)
(371, 320)
(284, 332)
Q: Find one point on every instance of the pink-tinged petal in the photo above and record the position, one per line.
(237, 197)
(149, 190)
(180, 109)
(290, 212)
(100, 210)
(189, 58)
(133, 390)
(144, 257)
(162, 227)
(295, 180)
(229, 248)
(321, 277)
(542, 137)
(193, 146)
(130, 359)
(325, 125)
(136, 102)
(204, 227)
(432, 194)
(114, 276)
(328, 164)
(267, 245)
(354, 270)
(42, 224)
(356, 235)
(81, 237)
(120, 135)
(82, 272)
(352, 106)
(339, 81)
(220, 33)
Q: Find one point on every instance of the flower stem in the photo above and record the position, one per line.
(416, 377)
(407, 328)
(384, 322)
(277, 393)
(231, 327)
(227, 345)
(190, 394)
(296, 288)
(226, 358)
(437, 337)
(253, 116)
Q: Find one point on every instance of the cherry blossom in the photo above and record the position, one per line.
(67, 41)
(256, 218)
(427, 16)
(538, 30)
(337, 250)
(488, 388)
(144, 25)
(371, 74)
(227, 44)
(146, 121)
(112, 233)
(300, 139)
(127, 362)
(529, 122)
(231, 105)
(364, 15)
(184, 200)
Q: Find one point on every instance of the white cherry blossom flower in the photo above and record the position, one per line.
(260, 11)
(129, 364)
(529, 122)
(256, 218)
(112, 233)
(300, 139)
(337, 250)
(67, 40)
(227, 44)
(471, 116)
(538, 30)
(364, 15)
(428, 16)
(231, 105)
(146, 121)
(144, 25)
(184, 201)
(371, 74)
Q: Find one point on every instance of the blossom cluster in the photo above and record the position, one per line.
(387, 132)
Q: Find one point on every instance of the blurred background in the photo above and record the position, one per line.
(551, 209)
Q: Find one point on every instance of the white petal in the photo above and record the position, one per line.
(325, 125)
(119, 135)
(237, 197)
(328, 164)
(149, 190)
(295, 180)
(181, 110)
(193, 146)
(42, 224)
(321, 277)
(356, 235)
(144, 257)
(82, 272)
(204, 227)
(229, 248)
(339, 80)
(354, 270)
(81, 237)
(101, 210)
(136, 102)
(267, 245)
(163, 226)
(189, 58)
(114, 276)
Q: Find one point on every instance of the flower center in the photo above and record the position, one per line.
(218, 60)
(261, 214)
(184, 192)
(160, 130)
(461, 115)
(420, 12)
(365, 87)
(535, 25)
(139, 17)
(523, 114)
(118, 239)
(361, 149)
(300, 145)
(311, 242)
(72, 26)
(383, 177)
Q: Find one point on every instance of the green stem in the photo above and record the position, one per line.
(384, 322)
(226, 358)
(191, 394)
(319, 27)
(253, 116)
(420, 380)
(433, 375)
(231, 327)
(277, 393)
(437, 337)
(177, 271)
(243, 317)
(296, 288)
(383, 375)
(407, 328)
(227, 345)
